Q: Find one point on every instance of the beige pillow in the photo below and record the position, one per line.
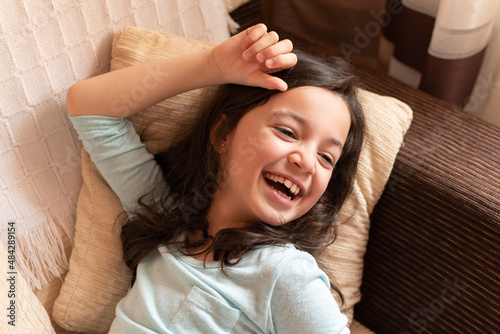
(98, 278)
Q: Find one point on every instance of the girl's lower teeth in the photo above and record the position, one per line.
(283, 195)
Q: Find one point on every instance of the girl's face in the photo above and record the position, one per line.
(279, 159)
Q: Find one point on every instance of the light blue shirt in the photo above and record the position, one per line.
(275, 289)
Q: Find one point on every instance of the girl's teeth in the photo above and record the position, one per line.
(283, 195)
(294, 189)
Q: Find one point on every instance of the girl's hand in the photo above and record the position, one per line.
(248, 57)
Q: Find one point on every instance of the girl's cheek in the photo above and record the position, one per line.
(253, 145)
(324, 182)
(234, 168)
(264, 138)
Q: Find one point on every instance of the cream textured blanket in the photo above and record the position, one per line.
(45, 47)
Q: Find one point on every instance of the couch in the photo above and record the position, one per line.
(431, 261)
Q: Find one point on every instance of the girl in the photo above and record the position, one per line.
(246, 198)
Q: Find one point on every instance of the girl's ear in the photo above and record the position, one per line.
(219, 136)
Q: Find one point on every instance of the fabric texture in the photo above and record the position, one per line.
(47, 46)
(97, 267)
(22, 311)
(444, 48)
(432, 255)
(485, 96)
(121, 157)
(269, 290)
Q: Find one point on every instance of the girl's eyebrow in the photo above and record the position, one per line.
(303, 121)
(293, 115)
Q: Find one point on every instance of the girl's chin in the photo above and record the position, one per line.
(278, 219)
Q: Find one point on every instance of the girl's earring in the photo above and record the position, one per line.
(222, 148)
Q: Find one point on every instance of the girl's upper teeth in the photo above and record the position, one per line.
(294, 189)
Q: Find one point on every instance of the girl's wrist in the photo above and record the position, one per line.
(211, 69)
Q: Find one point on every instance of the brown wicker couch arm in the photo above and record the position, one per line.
(432, 261)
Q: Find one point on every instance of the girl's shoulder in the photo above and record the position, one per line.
(281, 252)
(281, 259)
(290, 268)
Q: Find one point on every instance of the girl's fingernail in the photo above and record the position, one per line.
(270, 63)
(247, 55)
(261, 57)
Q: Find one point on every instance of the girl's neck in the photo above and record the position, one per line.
(219, 217)
(202, 254)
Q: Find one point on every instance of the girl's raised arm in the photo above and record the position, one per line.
(246, 58)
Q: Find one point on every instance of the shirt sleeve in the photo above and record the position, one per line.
(117, 151)
(302, 301)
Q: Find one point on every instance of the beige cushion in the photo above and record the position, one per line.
(98, 278)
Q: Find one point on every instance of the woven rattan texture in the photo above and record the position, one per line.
(433, 257)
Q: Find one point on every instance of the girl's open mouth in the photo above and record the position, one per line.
(283, 186)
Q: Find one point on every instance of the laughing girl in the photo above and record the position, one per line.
(225, 242)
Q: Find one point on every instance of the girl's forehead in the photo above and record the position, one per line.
(308, 95)
(307, 101)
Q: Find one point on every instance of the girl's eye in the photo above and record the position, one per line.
(286, 132)
(327, 159)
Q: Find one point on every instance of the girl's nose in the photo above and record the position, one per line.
(305, 161)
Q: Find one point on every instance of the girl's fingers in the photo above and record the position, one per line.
(264, 42)
(272, 54)
(277, 83)
(252, 35)
(281, 62)
(281, 48)
(267, 81)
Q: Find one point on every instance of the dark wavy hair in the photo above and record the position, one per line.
(191, 169)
